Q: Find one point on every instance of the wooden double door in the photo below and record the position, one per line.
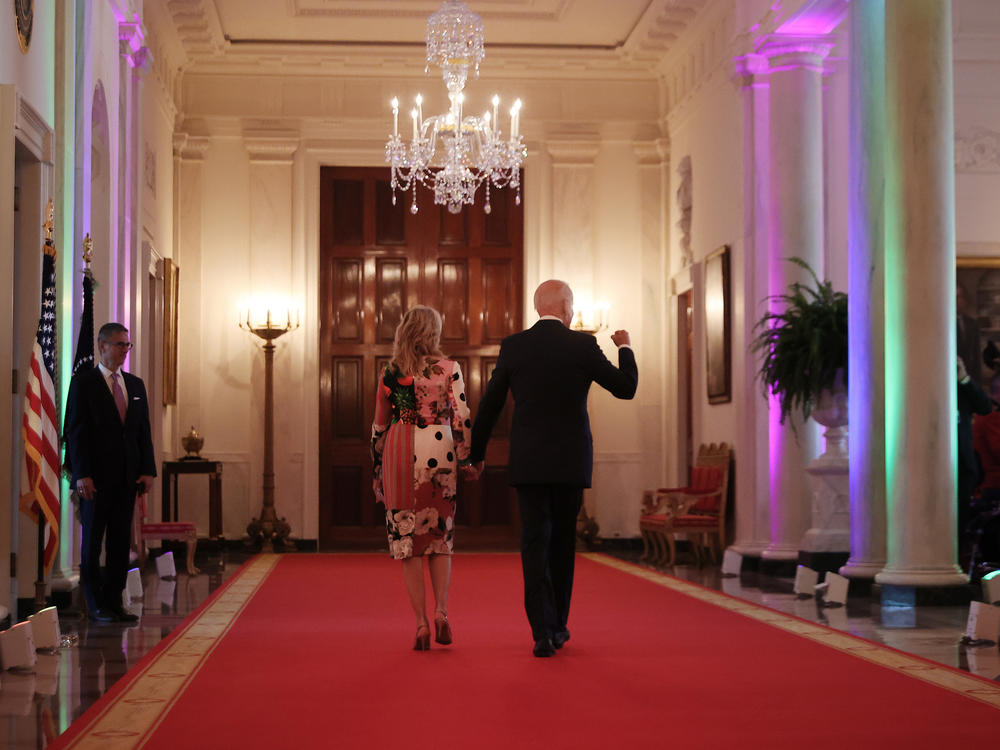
(377, 260)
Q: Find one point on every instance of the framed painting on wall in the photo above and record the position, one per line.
(171, 276)
(977, 303)
(718, 366)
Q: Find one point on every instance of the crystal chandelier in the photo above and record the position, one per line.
(453, 154)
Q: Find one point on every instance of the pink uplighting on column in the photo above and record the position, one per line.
(819, 17)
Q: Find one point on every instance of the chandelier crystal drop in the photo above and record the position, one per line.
(452, 154)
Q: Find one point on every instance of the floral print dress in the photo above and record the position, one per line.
(420, 433)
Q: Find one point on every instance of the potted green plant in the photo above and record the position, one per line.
(803, 348)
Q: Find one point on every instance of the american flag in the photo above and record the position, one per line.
(41, 436)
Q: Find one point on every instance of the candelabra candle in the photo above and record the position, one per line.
(413, 114)
(395, 117)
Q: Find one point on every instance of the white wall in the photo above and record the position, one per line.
(976, 28)
(705, 123)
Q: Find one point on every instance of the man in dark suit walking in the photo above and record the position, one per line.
(110, 453)
(548, 369)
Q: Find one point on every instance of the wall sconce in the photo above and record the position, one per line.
(268, 528)
(591, 318)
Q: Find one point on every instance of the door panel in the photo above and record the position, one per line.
(378, 260)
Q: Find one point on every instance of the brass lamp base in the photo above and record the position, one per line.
(270, 533)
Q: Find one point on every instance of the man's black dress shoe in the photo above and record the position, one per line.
(122, 616)
(560, 638)
(103, 615)
(544, 647)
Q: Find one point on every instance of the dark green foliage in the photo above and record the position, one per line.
(803, 345)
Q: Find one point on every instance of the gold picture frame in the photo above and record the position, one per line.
(718, 363)
(171, 278)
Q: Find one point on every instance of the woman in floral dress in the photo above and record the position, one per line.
(419, 435)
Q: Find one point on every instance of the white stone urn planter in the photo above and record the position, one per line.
(830, 531)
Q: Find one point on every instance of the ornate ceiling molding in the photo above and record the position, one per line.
(198, 27)
(518, 10)
(208, 49)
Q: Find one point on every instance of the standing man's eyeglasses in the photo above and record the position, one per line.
(124, 345)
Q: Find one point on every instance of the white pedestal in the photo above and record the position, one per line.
(830, 528)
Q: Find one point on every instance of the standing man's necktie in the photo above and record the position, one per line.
(119, 394)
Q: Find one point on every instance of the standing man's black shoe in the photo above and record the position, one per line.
(103, 615)
(560, 638)
(121, 615)
(544, 647)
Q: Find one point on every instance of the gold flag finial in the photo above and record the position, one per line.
(88, 251)
(49, 221)
(49, 246)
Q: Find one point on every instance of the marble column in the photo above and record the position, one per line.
(752, 491)
(920, 379)
(65, 574)
(866, 281)
(796, 230)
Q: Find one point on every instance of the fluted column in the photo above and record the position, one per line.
(796, 229)
(752, 495)
(920, 379)
(866, 273)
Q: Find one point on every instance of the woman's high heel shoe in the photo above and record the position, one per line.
(442, 629)
(423, 639)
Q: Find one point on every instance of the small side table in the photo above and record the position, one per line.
(171, 470)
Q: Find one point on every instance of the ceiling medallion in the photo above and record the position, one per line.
(24, 17)
(452, 154)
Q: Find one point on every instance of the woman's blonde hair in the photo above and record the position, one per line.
(418, 336)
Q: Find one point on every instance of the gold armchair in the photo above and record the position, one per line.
(698, 511)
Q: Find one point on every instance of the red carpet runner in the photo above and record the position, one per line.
(314, 651)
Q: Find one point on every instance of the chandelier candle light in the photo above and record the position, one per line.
(453, 154)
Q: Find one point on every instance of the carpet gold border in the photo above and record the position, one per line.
(943, 677)
(129, 720)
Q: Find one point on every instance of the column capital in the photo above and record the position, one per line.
(654, 152)
(795, 51)
(574, 153)
(130, 43)
(190, 147)
(271, 146)
(749, 66)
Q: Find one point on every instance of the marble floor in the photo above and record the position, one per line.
(37, 706)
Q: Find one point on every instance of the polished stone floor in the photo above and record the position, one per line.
(37, 706)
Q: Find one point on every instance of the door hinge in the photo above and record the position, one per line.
(13, 381)
(13, 565)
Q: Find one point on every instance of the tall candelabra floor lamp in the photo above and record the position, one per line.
(268, 530)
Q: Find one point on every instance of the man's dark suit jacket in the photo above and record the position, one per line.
(114, 455)
(548, 369)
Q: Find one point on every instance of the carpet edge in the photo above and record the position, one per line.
(940, 675)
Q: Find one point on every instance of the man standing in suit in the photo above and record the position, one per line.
(110, 453)
(548, 369)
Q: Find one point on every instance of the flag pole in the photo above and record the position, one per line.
(40, 584)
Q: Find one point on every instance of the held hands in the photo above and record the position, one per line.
(147, 483)
(621, 338)
(473, 471)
